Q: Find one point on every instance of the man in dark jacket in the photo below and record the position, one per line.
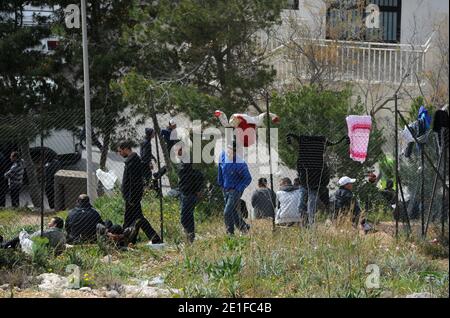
(51, 168)
(15, 176)
(146, 154)
(133, 190)
(345, 200)
(82, 221)
(190, 186)
(4, 167)
(263, 201)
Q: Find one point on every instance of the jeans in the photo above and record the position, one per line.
(14, 243)
(188, 202)
(308, 204)
(231, 215)
(15, 195)
(133, 213)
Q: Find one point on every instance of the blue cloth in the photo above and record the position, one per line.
(233, 174)
(424, 115)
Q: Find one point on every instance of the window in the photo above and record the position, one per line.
(292, 5)
(346, 20)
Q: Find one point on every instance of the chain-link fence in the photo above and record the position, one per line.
(320, 168)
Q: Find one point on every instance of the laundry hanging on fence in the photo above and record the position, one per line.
(420, 129)
(246, 124)
(359, 128)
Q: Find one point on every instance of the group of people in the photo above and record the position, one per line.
(83, 225)
(12, 177)
(294, 202)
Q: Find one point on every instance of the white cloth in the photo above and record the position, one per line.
(108, 179)
(289, 207)
(26, 244)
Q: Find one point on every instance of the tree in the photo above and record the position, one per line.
(217, 40)
(27, 86)
(193, 55)
(108, 56)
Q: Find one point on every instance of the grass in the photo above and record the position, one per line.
(325, 261)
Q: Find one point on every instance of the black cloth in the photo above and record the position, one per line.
(133, 181)
(311, 168)
(310, 152)
(313, 178)
(191, 180)
(81, 224)
(344, 200)
(440, 120)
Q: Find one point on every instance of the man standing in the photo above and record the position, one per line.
(133, 190)
(15, 177)
(233, 177)
(146, 154)
(263, 201)
(4, 167)
(82, 221)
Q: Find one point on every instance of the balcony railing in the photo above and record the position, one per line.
(366, 62)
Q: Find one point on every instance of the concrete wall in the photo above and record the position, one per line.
(419, 18)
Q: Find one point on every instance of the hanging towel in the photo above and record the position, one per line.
(359, 132)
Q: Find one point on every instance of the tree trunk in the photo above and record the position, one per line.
(33, 182)
(163, 145)
(103, 158)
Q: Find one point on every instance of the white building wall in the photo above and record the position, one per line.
(420, 17)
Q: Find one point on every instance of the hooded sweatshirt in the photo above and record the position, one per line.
(288, 198)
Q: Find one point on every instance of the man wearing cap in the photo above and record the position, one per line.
(167, 132)
(344, 198)
(147, 155)
(233, 177)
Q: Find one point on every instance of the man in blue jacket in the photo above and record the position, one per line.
(233, 177)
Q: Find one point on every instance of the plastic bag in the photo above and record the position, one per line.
(25, 242)
(108, 179)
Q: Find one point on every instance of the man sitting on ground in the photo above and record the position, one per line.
(82, 221)
(116, 235)
(346, 201)
(54, 234)
(263, 201)
(288, 198)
